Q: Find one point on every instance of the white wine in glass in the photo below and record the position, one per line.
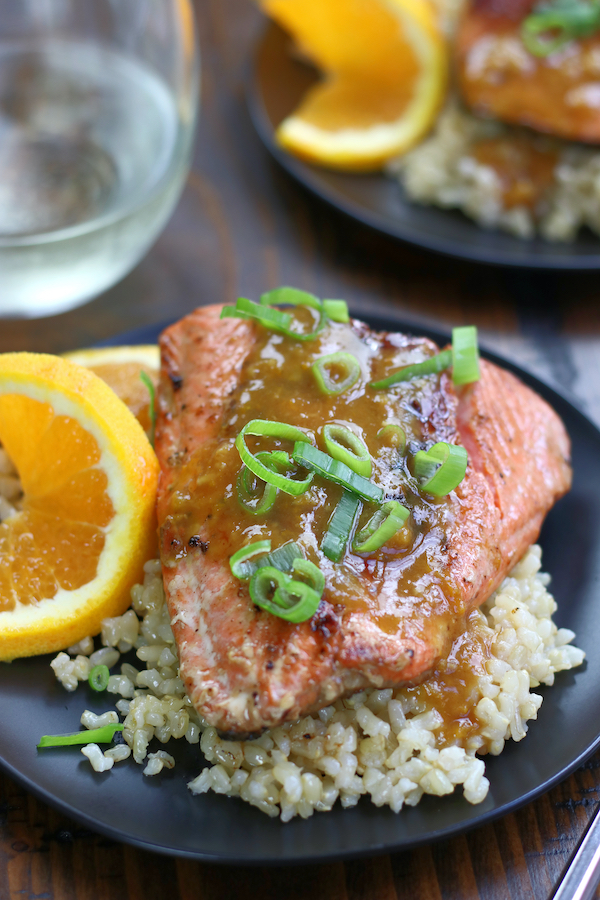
(98, 103)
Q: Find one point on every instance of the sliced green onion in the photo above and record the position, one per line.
(248, 497)
(556, 23)
(275, 317)
(337, 471)
(386, 522)
(441, 468)
(394, 435)
(295, 297)
(465, 355)
(292, 297)
(430, 366)
(294, 601)
(283, 557)
(336, 537)
(98, 678)
(239, 562)
(346, 446)
(232, 312)
(279, 430)
(248, 309)
(307, 569)
(243, 563)
(336, 310)
(147, 381)
(102, 735)
(346, 362)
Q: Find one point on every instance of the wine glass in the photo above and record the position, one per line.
(98, 103)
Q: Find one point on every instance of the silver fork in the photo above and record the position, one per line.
(582, 873)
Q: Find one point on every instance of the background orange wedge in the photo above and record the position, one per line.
(384, 65)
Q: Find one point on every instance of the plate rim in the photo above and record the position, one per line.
(308, 176)
(383, 321)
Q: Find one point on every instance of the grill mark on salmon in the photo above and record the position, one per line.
(246, 670)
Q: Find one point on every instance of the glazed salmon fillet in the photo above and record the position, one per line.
(556, 94)
(384, 618)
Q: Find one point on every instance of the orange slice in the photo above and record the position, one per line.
(69, 558)
(384, 65)
(120, 368)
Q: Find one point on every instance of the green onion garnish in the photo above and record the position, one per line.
(336, 310)
(386, 522)
(281, 431)
(465, 355)
(337, 471)
(292, 297)
(430, 366)
(326, 367)
(248, 488)
(441, 468)
(102, 735)
(243, 563)
(464, 359)
(336, 537)
(239, 562)
(98, 678)
(307, 569)
(145, 378)
(295, 297)
(557, 22)
(272, 318)
(346, 446)
(394, 435)
(248, 309)
(277, 593)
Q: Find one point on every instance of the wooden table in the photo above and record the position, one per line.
(243, 226)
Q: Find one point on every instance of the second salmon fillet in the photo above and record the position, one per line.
(386, 617)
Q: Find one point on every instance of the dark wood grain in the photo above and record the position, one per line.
(243, 226)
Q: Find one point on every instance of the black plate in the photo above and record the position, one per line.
(160, 813)
(277, 82)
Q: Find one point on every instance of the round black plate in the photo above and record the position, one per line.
(277, 82)
(161, 814)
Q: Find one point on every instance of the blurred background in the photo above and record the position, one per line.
(243, 225)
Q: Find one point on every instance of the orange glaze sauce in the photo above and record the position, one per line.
(452, 688)
(525, 172)
(405, 580)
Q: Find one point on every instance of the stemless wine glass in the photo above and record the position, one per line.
(98, 103)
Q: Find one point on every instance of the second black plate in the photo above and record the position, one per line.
(278, 82)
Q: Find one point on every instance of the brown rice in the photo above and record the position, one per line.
(387, 744)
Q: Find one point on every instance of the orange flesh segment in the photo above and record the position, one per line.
(350, 103)
(358, 41)
(56, 541)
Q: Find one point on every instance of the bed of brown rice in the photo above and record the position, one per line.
(382, 743)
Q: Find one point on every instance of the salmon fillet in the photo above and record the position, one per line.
(383, 620)
(498, 77)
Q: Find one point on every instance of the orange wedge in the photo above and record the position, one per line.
(120, 368)
(69, 558)
(384, 65)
